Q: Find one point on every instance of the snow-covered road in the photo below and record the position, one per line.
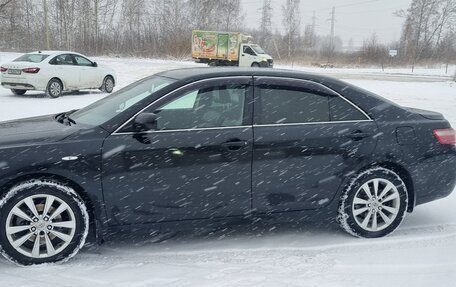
(422, 252)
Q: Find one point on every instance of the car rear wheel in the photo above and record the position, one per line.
(18, 92)
(108, 84)
(42, 222)
(373, 204)
(54, 88)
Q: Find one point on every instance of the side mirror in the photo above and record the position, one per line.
(94, 64)
(145, 122)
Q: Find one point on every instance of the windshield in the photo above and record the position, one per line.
(258, 49)
(107, 108)
(33, 58)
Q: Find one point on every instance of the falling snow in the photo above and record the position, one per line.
(420, 253)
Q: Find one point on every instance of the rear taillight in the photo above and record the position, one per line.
(445, 136)
(31, 70)
(3, 69)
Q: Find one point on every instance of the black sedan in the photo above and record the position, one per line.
(206, 146)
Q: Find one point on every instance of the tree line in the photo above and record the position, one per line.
(162, 28)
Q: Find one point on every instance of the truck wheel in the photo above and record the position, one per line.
(212, 63)
(255, 65)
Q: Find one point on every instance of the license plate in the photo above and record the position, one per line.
(14, 71)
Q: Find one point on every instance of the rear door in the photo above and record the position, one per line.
(307, 139)
(196, 164)
(64, 68)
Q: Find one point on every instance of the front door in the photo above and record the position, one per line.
(247, 56)
(307, 139)
(195, 164)
(90, 77)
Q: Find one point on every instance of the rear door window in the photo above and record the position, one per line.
(293, 101)
(64, 59)
(342, 110)
(289, 105)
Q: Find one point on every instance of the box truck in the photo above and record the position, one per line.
(228, 49)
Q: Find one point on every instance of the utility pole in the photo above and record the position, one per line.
(96, 27)
(46, 25)
(331, 45)
(314, 23)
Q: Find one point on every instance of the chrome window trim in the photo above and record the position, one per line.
(184, 130)
(326, 88)
(311, 123)
(241, 127)
(116, 132)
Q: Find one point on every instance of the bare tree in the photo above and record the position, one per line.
(3, 4)
(265, 29)
(291, 22)
(425, 23)
(374, 52)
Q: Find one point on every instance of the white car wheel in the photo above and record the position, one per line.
(54, 88)
(108, 84)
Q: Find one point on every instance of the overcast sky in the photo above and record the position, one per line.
(356, 19)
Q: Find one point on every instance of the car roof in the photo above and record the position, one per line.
(365, 99)
(50, 52)
(211, 72)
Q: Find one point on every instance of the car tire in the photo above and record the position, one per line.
(373, 204)
(255, 65)
(108, 85)
(54, 88)
(18, 92)
(42, 221)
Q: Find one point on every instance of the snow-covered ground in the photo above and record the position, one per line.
(421, 252)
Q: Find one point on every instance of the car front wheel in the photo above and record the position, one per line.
(18, 92)
(373, 204)
(42, 221)
(108, 84)
(54, 88)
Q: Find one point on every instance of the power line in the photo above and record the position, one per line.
(356, 4)
(320, 9)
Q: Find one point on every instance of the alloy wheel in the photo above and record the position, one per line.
(55, 89)
(40, 226)
(376, 204)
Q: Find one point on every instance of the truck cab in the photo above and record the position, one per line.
(252, 55)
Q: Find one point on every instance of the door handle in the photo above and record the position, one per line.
(358, 135)
(235, 145)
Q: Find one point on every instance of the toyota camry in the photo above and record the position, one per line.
(206, 146)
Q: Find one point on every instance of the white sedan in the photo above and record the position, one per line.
(55, 72)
